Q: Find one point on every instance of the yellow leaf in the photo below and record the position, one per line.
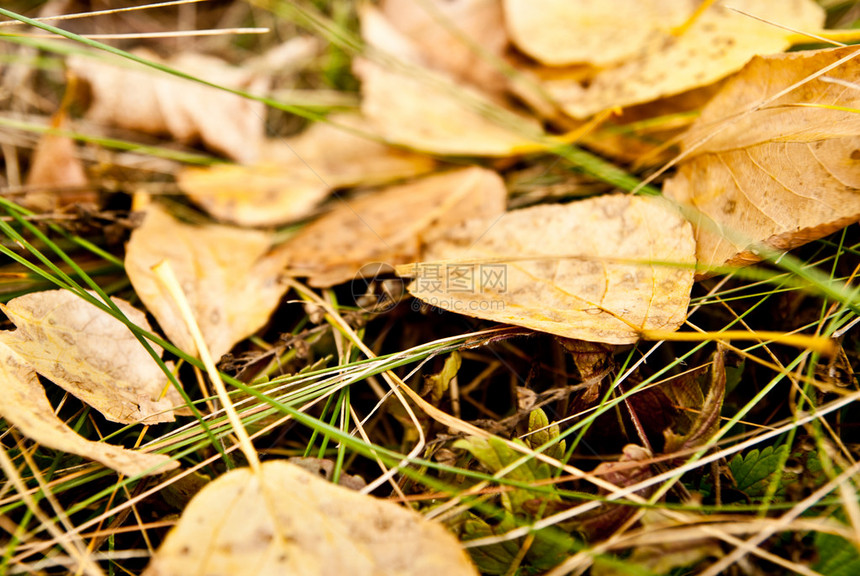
(24, 405)
(782, 174)
(389, 225)
(230, 280)
(599, 270)
(295, 174)
(412, 105)
(91, 355)
(717, 44)
(563, 32)
(289, 521)
(137, 98)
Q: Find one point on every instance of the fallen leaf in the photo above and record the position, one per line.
(294, 175)
(24, 405)
(91, 355)
(57, 177)
(718, 44)
(230, 279)
(783, 174)
(462, 38)
(599, 270)
(410, 104)
(563, 32)
(288, 521)
(136, 98)
(389, 225)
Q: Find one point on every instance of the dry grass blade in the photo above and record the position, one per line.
(95, 13)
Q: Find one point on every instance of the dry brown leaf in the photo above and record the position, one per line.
(718, 43)
(458, 37)
(699, 409)
(589, 270)
(289, 521)
(782, 175)
(624, 472)
(562, 32)
(57, 173)
(409, 103)
(295, 174)
(91, 355)
(150, 101)
(389, 225)
(230, 279)
(324, 468)
(24, 405)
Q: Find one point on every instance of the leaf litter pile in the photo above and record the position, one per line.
(430, 287)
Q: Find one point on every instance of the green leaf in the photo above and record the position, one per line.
(837, 556)
(548, 548)
(493, 559)
(495, 455)
(539, 421)
(753, 472)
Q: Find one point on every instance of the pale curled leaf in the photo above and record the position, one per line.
(150, 101)
(389, 225)
(24, 405)
(293, 175)
(288, 521)
(57, 177)
(410, 104)
(599, 270)
(718, 44)
(462, 38)
(231, 281)
(439, 383)
(781, 175)
(91, 355)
